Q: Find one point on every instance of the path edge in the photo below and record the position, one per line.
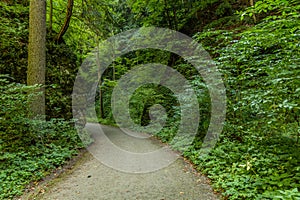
(55, 176)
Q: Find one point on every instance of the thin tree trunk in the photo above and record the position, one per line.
(100, 83)
(175, 19)
(37, 54)
(66, 24)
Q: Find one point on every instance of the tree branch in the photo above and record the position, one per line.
(65, 26)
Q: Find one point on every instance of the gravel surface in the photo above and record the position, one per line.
(90, 179)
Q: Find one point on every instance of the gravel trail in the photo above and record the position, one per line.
(91, 180)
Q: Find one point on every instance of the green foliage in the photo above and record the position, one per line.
(60, 76)
(265, 68)
(258, 153)
(222, 38)
(255, 169)
(181, 15)
(61, 60)
(276, 8)
(167, 13)
(14, 24)
(29, 149)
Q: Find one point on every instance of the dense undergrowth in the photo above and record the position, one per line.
(29, 149)
(257, 156)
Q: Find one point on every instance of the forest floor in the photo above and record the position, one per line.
(89, 179)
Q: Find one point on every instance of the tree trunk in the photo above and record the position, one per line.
(65, 26)
(100, 83)
(37, 54)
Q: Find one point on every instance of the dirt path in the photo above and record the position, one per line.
(92, 180)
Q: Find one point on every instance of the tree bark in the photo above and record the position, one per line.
(66, 24)
(37, 54)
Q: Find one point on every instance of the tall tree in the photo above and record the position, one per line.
(66, 24)
(37, 53)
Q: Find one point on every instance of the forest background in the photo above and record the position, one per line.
(255, 45)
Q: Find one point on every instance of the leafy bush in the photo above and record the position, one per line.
(276, 9)
(29, 149)
(258, 153)
(14, 24)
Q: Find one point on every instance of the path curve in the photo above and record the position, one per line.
(92, 180)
